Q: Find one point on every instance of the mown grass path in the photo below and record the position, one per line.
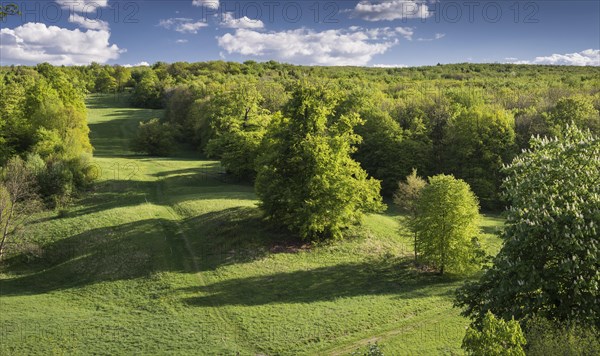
(165, 258)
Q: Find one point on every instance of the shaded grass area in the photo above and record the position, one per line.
(167, 257)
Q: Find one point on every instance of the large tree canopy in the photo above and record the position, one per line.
(307, 180)
(550, 261)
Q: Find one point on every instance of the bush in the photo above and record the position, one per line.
(56, 184)
(153, 138)
(494, 337)
(547, 338)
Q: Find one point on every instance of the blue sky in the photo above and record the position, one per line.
(365, 33)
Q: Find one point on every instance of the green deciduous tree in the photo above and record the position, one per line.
(549, 264)
(153, 138)
(577, 110)
(148, 91)
(239, 123)
(478, 140)
(306, 179)
(447, 225)
(495, 337)
(407, 198)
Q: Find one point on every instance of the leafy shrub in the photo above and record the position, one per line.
(56, 184)
(153, 138)
(494, 337)
(547, 338)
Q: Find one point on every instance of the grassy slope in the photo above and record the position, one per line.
(164, 257)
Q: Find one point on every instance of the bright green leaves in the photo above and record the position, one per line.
(447, 225)
(239, 124)
(307, 180)
(549, 263)
(496, 337)
(154, 138)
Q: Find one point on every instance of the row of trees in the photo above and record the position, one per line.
(44, 144)
(439, 126)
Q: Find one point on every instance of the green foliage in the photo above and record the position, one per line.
(238, 150)
(545, 337)
(478, 141)
(447, 225)
(548, 265)
(105, 83)
(18, 202)
(306, 179)
(148, 91)
(153, 138)
(407, 198)
(127, 239)
(408, 194)
(56, 184)
(578, 111)
(495, 337)
(43, 117)
(239, 125)
(380, 151)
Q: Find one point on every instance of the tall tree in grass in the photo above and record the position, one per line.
(447, 225)
(549, 264)
(407, 197)
(307, 180)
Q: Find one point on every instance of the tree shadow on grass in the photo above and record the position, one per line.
(111, 194)
(380, 277)
(232, 236)
(126, 251)
(139, 249)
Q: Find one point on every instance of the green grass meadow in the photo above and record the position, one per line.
(168, 256)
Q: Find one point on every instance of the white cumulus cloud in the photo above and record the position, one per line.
(141, 64)
(182, 25)
(35, 42)
(211, 4)
(353, 46)
(89, 24)
(390, 10)
(589, 57)
(230, 21)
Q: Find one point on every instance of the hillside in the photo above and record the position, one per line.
(168, 255)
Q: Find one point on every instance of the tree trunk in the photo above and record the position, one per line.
(415, 247)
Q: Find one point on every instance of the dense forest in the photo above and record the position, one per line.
(466, 119)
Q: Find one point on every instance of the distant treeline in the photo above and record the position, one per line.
(463, 119)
